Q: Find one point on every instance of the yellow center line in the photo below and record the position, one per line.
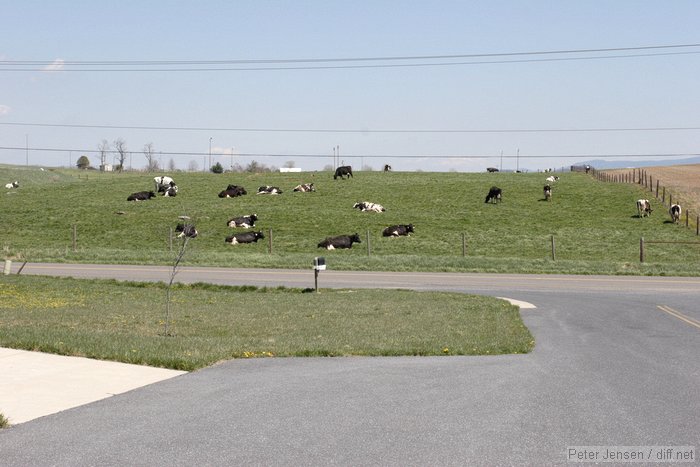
(679, 315)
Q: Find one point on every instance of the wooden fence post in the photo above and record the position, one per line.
(663, 197)
(657, 187)
(554, 254)
(686, 219)
(641, 249)
(75, 238)
(369, 247)
(269, 242)
(697, 226)
(170, 239)
(464, 245)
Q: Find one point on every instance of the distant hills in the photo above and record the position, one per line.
(601, 164)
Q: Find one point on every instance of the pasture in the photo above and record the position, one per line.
(594, 224)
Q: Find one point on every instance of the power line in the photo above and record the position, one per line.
(356, 131)
(371, 156)
(197, 65)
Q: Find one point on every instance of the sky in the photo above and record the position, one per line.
(420, 85)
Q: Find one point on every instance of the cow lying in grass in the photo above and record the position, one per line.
(14, 184)
(341, 241)
(141, 196)
(232, 191)
(243, 221)
(367, 206)
(305, 188)
(247, 237)
(186, 230)
(398, 230)
(269, 190)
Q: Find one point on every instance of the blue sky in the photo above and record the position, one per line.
(485, 101)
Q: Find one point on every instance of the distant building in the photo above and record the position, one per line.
(290, 169)
(106, 168)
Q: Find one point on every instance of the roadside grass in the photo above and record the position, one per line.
(594, 224)
(4, 422)
(120, 321)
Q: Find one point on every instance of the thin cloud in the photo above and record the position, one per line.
(56, 65)
(5, 109)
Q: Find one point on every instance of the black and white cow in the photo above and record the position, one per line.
(232, 191)
(387, 168)
(367, 206)
(247, 237)
(162, 183)
(243, 221)
(14, 184)
(341, 241)
(141, 196)
(398, 230)
(342, 171)
(186, 230)
(494, 195)
(552, 179)
(305, 188)
(643, 208)
(171, 190)
(547, 193)
(269, 190)
(675, 212)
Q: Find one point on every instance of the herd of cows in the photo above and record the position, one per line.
(167, 186)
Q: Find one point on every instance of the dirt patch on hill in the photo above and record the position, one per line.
(682, 181)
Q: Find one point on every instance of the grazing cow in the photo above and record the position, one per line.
(341, 241)
(269, 190)
(398, 230)
(162, 183)
(247, 237)
(547, 193)
(232, 191)
(491, 169)
(141, 196)
(675, 212)
(342, 171)
(387, 168)
(552, 179)
(494, 195)
(643, 208)
(367, 206)
(186, 230)
(244, 221)
(14, 184)
(588, 168)
(305, 188)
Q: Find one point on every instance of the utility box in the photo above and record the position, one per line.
(319, 264)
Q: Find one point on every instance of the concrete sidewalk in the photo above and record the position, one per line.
(34, 384)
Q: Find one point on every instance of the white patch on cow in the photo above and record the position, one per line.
(330, 247)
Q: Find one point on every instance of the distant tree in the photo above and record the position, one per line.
(193, 166)
(171, 165)
(148, 152)
(367, 168)
(217, 168)
(120, 146)
(328, 168)
(289, 164)
(253, 167)
(103, 147)
(83, 163)
(237, 168)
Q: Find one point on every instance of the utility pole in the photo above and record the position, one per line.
(210, 138)
(27, 156)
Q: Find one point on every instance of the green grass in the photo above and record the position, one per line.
(4, 423)
(124, 322)
(594, 224)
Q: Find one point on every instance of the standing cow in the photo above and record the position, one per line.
(342, 171)
(675, 212)
(547, 193)
(643, 208)
(494, 195)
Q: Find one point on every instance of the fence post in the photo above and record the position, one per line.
(269, 242)
(554, 254)
(464, 245)
(641, 249)
(686, 219)
(670, 199)
(369, 247)
(663, 196)
(697, 226)
(170, 239)
(75, 238)
(657, 187)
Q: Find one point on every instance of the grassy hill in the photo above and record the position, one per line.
(594, 224)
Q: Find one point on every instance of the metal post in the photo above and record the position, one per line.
(316, 280)
(641, 249)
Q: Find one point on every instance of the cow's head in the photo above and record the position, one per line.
(355, 238)
(259, 235)
(409, 228)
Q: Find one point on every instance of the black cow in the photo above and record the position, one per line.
(243, 221)
(247, 237)
(494, 195)
(232, 191)
(342, 171)
(141, 196)
(186, 230)
(491, 169)
(341, 241)
(269, 190)
(398, 230)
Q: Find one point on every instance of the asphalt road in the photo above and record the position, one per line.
(616, 364)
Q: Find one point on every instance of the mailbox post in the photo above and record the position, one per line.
(319, 265)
